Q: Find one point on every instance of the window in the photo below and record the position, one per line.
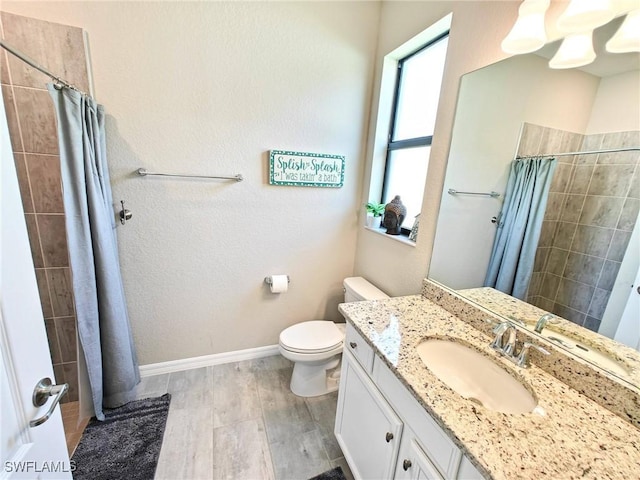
(417, 90)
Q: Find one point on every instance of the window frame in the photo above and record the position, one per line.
(393, 145)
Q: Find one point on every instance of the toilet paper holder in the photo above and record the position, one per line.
(269, 281)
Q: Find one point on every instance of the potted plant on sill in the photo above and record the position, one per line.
(374, 214)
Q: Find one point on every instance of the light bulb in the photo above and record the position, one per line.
(575, 50)
(528, 33)
(582, 15)
(627, 38)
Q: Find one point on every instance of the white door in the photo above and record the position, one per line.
(25, 451)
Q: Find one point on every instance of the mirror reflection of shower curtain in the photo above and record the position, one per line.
(103, 320)
(514, 248)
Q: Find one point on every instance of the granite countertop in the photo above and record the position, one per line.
(567, 436)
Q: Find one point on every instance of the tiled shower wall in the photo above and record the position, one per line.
(32, 128)
(592, 209)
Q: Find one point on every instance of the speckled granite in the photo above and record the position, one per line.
(569, 437)
(608, 390)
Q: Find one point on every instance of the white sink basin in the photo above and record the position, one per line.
(475, 376)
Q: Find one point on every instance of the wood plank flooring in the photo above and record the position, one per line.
(240, 421)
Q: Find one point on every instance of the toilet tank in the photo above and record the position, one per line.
(357, 288)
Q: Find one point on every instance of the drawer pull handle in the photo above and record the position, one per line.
(406, 465)
(353, 344)
(389, 437)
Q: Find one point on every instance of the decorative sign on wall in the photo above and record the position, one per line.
(301, 169)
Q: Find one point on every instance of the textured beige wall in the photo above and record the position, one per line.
(209, 88)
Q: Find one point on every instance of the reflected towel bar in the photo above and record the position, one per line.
(143, 173)
(490, 194)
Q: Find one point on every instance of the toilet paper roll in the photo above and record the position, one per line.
(279, 284)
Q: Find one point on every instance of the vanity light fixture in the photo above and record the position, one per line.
(583, 15)
(575, 50)
(579, 20)
(627, 37)
(528, 34)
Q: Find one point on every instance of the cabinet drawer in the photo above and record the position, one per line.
(443, 453)
(359, 348)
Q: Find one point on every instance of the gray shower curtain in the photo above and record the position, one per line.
(514, 248)
(101, 311)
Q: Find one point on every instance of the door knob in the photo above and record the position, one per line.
(406, 465)
(41, 393)
(353, 344)
(389, 437)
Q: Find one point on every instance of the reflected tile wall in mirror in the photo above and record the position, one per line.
(591, 211)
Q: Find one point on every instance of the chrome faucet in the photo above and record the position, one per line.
(542, 322)
(508, 347)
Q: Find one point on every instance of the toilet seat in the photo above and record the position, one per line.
(315, 336)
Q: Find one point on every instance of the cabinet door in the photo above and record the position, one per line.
(367, 429)
(413, 463)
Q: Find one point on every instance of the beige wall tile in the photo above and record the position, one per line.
(52, 337)
(34, 241)
(53, 239)
(581, 177)
(43, 290)
(592, 240)
(583, 268)
(12, 118)
(612, 180)
(629, 214)
(23, 182)
(4, 68)
(66, 330)
(618, 246)
(37, 120)
(601, 211)
(58, 48)
(46, 183)
(61, 291)
(71, 377)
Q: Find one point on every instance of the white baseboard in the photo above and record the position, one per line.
(207, 360)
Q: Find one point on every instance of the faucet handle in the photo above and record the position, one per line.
(523, 358)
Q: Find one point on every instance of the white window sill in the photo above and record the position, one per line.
(397, 238)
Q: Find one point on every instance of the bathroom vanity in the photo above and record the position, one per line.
(397, 419)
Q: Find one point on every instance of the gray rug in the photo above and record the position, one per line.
(126, 445)
(335, 474)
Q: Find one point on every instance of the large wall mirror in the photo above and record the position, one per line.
(588, 254)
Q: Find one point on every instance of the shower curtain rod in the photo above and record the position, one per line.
(40, 68)
(586, 152)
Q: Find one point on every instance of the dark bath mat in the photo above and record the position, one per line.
(126, 445)
(335, 474)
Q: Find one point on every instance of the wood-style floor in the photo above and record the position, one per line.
(241, 421)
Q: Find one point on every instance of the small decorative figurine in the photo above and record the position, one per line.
(394, 213)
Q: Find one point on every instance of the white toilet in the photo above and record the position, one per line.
(315, 346)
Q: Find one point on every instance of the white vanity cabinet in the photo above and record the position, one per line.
(367, 428)
(383, 431)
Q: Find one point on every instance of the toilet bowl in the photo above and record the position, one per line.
(315, 346)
